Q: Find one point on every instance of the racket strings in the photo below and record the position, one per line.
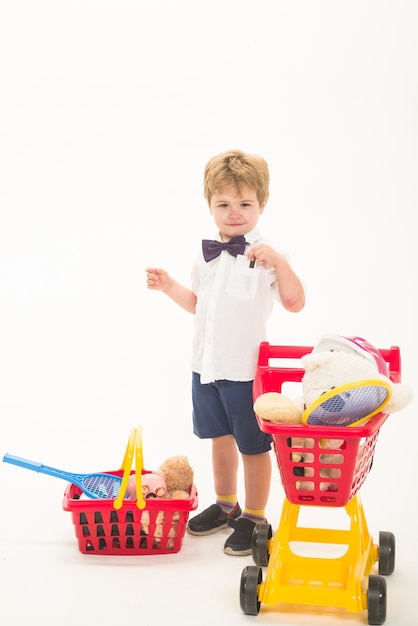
(350, 406)
(104, 487)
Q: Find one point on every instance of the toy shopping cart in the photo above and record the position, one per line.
(345, 581)
(129, 526)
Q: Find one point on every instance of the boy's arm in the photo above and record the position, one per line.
(291, 291)
(159, 280)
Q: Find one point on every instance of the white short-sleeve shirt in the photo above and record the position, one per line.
(234, 303)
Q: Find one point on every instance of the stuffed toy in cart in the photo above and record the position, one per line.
(334, 361)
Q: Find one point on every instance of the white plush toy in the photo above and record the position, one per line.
(335, 361)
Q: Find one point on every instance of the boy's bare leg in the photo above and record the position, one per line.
(257, 477)
(225, 465)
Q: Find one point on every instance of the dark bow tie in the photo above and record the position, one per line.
(212, 249)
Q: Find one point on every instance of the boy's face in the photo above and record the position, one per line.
(235, 213)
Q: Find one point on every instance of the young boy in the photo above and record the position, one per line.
(235, 281)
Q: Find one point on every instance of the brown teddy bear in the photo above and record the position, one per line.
(178, 475)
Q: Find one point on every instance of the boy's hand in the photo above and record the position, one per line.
(291, 291)
(157, 278)
(160, 280)
(265, 255)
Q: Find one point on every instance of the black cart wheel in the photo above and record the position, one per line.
(262, 534)
(251, 577)
(376, 600)
(386, 553)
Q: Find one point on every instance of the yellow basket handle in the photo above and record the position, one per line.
(126, 466)
(134, 447)
(139, 466)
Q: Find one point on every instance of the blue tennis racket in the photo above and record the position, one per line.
(95, 486)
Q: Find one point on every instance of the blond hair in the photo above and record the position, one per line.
(237, 169)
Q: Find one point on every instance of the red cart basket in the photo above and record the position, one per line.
(129, 527)
(350, 462)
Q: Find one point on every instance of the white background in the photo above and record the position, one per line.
(109, 111)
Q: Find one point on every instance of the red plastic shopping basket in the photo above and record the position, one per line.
(304, 463)
(126, 527)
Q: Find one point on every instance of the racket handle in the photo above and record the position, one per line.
(17, 460)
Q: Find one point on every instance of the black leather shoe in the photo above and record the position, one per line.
(240, 542)
(211, 520)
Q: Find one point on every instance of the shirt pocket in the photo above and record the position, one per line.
(243, 282)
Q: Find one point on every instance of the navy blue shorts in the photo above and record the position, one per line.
(226, 408)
